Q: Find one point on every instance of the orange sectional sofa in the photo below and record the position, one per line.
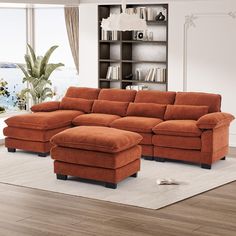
(186, 126)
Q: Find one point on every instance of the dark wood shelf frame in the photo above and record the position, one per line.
(125, 43)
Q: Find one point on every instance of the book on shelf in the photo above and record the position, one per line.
(113, 73)
(138, 75)
(156, 75)
(137, 87)
(146, 13)
(109, 35)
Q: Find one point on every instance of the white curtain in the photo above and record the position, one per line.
(72, 26)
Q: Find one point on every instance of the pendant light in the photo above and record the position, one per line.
(123, 21)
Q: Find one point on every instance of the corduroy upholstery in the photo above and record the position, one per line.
(46, 106)
(97, 153)
(43, 120)
(95, 119)
(136, 124)
(183, 125)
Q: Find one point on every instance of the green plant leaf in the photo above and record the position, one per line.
(46, 59)
(37, 67)
(32, 53)
(50, 68)
(24, 71)
(29, 64)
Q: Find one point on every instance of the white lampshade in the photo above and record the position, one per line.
(123, 22)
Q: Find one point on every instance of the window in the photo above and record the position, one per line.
(12, 48)
(50, 29)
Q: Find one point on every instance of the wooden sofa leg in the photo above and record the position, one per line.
(61, 177)
(11, 149)
(205, 166)
(160, 159)
(223, 158)
(148, 158)
(43, 154)
(111, 185)
(134, 175)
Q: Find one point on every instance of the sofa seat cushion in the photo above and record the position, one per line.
(32, 134)
(192, 143)
(94, 138)
(95, 119)
(136, 124)
(94, 158)
(43, 120)
(178, 128)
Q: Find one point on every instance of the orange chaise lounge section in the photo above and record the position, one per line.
(32, 132)
(187, 126)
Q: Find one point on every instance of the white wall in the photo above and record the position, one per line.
(210, 49)
(88, 45)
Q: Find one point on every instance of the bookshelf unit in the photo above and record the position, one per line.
(127, 55)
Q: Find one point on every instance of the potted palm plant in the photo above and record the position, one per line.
(37, 73)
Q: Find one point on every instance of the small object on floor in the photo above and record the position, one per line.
(167, 182)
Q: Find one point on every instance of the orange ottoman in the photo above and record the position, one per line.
(97, 153)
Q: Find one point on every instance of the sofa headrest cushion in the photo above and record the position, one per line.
(213, 101)
(86, 93)
(185, 112)
(147, 110)
(119, 95)
(159, 97)
(110, 107)
(79, 104)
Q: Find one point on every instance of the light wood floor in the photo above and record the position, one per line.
(25, 211)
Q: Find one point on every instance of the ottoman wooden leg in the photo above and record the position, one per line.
(11, 149)
(134, 175)
(111, 185)
(61, 177)
(148, 158)
(205, 166)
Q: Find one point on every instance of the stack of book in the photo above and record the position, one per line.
(113, 73)
(137, 87)
(109, 35)
(146, 13)
(156, 75)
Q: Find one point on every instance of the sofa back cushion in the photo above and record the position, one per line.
(86, 93)
(110, 107)
(146, 110)
(213, 101)
(185, 112)
(119, 95)
(79, 104)
(159, 97)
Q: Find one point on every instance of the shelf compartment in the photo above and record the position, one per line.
(143, 62)
(109, 80)
(109, 60)
(142, 82)
(154, 22)
(144, 41)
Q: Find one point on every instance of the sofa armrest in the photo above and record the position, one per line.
(46, 106)
(214, 120)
